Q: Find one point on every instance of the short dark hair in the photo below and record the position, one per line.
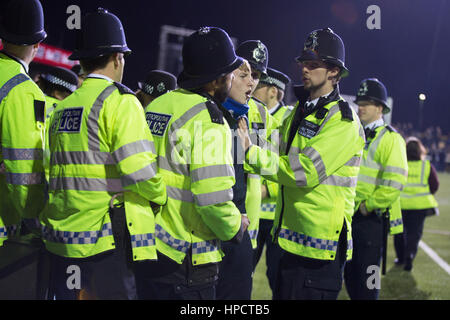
(90, 65)
(414, 149)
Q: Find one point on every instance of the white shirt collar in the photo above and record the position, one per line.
(96, 75)
(374, 124)
(314, 102)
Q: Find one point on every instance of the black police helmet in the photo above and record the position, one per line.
(61, 77)
(256, 53)
(327, 46)
(372, 89)
(157, 83)
(207, 54)
(22, 22)
(101, 33)
(275, 78)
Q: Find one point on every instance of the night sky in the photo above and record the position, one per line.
(410, 54)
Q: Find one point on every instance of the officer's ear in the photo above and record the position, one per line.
(117, 59)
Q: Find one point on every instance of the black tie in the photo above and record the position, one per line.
(370, 133)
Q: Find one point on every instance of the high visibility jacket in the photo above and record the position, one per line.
(193, 142)
(268, 204)
(416, 195)
(22, 113)
(50, 105)
(383, 174)
(100, 146)
(317, 175)
(261, 126)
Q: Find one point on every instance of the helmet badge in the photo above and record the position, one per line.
(259, 54)
(363, 89)
(161, 87)
(312, 42)
(204, 30)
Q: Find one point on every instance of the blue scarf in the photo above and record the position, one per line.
(236, 109)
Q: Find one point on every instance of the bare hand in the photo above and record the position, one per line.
(243, 134)
(244, 221)
(363, 209)
(264, 192)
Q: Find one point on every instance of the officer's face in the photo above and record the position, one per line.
(314, 74)
(243, 84)
(369, 111)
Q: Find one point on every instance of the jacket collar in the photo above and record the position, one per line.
(18, 60)
(303, 95)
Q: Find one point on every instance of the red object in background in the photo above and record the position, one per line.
(53, 56)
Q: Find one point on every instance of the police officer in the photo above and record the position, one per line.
(102, 173)
(270, 91)
(22, 114)
(321, 145)
(57, 84)
(381, 178)
(193, 142)
(156, 83)
(417, 202)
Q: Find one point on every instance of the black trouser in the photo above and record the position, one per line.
(407, 243)
(301, 278)
(167, 280)
(273, 251)
(367, 235)
(104, 276)
(235, 270)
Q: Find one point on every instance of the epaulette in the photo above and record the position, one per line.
(346, 110)
(214, 112)
(391, 128)
(123, 89)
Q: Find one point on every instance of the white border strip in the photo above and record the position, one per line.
(433, 255)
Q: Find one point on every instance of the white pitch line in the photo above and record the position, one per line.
(433, 255)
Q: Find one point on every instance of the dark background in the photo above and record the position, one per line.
(410, 53)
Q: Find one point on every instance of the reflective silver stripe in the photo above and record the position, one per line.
(211, 198)
(393, 169)
(220, 170)
(254, 176)
(205, 246)
(179, 194)
(416, 185)
(11, 83)
(317, 161)
(142, 240)
(349, 182)
(76, 237)
(308, 241)
(299, 173)
(82, 157)
(262, 113)
(253, 234)
(353, 162)
(85, 184)
(380, 182)
(375, 165)
(415, 195)
(132, 148)
(188, 115)
(92, 121)
(165, 164)
(25, 178)
(22, 154)
(422, 172)
(374, 145)
(177, 244)
(143, 174)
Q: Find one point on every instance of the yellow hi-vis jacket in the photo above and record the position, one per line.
(50, 105)
(268, 204)
(22, 114)
(416, 195)
(261, 127)
(317, 177)
(383, 174)
(100, 146)
(193, 142)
